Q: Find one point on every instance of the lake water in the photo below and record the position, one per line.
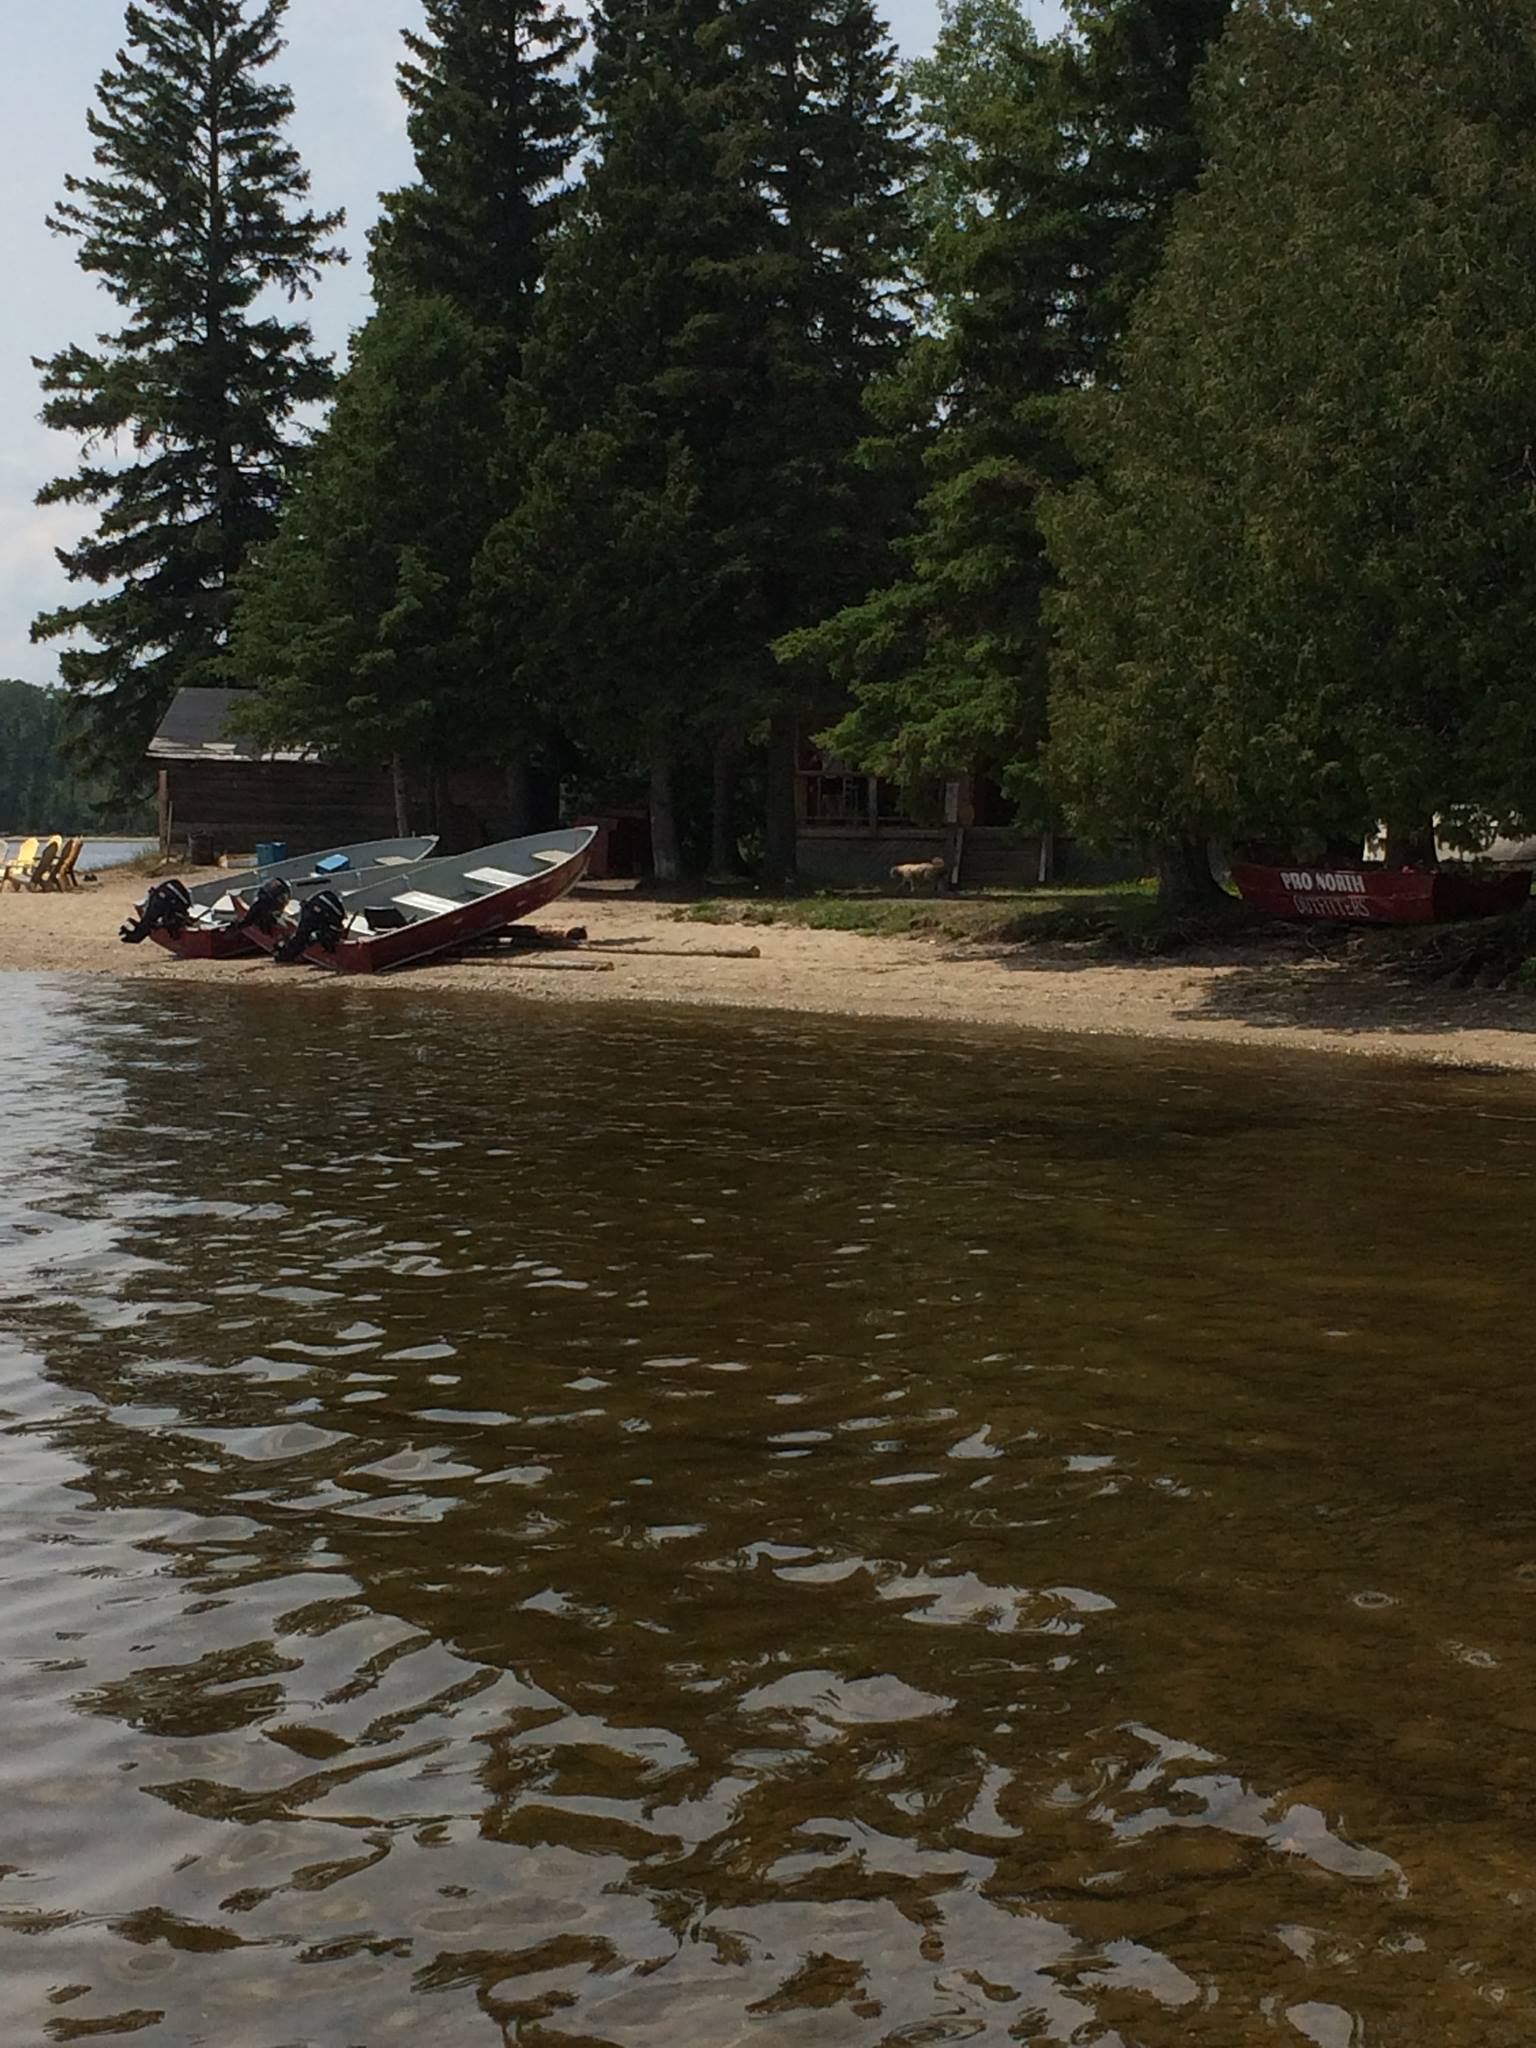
(573, 1529)
(111, 853)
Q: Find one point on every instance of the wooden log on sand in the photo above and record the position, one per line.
(677, 952)
(530, 959)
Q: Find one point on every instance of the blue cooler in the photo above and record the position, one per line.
(271, 853)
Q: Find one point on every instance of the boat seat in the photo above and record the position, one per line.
(394, 860)
(496, 878)
(550, 855)
(418, 899)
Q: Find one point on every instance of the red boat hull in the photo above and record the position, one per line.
(214, 942)
(1379, 895)
(379, 951)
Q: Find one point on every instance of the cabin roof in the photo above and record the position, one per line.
(194, 730)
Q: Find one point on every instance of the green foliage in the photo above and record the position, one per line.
(606, 585)
(39, 791)
(1295, 584)
(1051, 173)
(358, 623)
(1123, 915)
(192, 222)
(494, 115)
(353, 621)
(683, 440)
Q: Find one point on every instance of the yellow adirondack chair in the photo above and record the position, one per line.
(49, 854)
(21, 864)
(64, 876)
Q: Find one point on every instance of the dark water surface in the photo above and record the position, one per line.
(566, 1528)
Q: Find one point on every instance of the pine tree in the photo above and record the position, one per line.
(604, 588)
(192, 222)
(1051, 176)
(358, 622)
(1295, 594)
(836, 162)
(494, 116)
(692, 400)
(356, 617)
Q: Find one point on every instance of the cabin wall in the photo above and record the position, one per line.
(219, 807)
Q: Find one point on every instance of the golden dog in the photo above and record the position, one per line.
(911, 872)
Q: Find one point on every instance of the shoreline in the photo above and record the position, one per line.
(1245, 998)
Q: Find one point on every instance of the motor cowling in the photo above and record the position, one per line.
(167, 908)
(321, 923)
(265, 907)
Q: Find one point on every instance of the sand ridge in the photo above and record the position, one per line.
(1252, 999)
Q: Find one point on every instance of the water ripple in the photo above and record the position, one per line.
(754, 1532)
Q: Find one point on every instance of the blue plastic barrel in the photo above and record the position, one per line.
(270, 853)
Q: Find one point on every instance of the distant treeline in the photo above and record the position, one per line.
(39, 791)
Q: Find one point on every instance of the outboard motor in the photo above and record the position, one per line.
(265, 907)
(321, 923)
(167, 908)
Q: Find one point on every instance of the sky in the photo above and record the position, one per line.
(348, 124)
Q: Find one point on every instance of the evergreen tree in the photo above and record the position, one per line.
(692, 399)
(835, 163)
(355, 621)
(192, 222)
(1296, 593)
(494, 117)
(1051, 175)
(605, 589)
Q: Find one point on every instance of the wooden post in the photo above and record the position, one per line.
(722, 814)
(666, 855)
(782, 825)
(522, 799)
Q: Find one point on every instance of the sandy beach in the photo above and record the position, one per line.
(639, 952)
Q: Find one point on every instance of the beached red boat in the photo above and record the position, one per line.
(437, 908)
(1367, 893)
(204, 922)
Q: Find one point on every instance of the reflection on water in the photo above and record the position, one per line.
(581, 1530)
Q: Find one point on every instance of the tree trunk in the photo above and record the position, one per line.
(1184, 879)
(522, 797)
(781, 825)
(666, 855)
(402, 800)
(1410, 845)
(722, 814)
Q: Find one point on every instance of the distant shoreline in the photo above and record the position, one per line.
(90, 838)
(1254, 1000)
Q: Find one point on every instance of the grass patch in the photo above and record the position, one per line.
(1125, 922)
(151, 863)
(1009, 917)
